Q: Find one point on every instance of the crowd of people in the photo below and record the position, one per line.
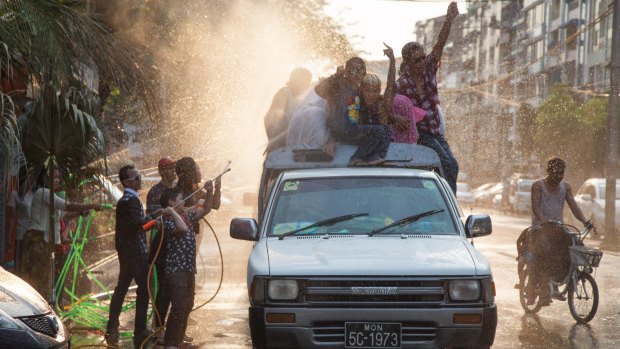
(348, 107)
(174, 210)
(174, 207)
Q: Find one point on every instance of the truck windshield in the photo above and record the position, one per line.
(304, 202)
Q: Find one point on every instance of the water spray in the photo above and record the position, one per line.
(152, 222)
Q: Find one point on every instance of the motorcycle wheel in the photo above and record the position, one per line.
(523, 278)
(583, 298)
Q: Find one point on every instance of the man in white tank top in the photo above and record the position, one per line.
(548, 197)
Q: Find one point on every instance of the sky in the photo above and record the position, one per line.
(378, 21)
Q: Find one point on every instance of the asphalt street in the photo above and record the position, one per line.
(223, 322)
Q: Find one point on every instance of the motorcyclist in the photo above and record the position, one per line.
(547, 248)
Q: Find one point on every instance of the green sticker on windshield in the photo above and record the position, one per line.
(429, 184)
(294, 185)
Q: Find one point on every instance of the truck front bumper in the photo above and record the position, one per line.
(324, 328)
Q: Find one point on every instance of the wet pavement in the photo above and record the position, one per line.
(223, 323)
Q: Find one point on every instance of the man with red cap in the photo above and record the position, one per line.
(165, 167)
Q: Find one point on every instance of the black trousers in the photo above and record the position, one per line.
(181, 290)
(162, 300)
(131, 268)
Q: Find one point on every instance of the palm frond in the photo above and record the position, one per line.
(59, 45)
(58, 129)
(10, 149)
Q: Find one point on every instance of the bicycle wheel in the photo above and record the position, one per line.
(523, 279)
(583, 298)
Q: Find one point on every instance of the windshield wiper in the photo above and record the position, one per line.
(322, 223)
(405, 221)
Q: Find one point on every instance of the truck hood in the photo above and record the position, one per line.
(362, 255)
(18, 299)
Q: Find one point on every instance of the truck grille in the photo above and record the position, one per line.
(42, 323)
(373, 293)
(333, 332)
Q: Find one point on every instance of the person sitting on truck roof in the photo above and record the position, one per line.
(284, 104)
(308, 127)
(394, 110)
(418, 81)
(341, 90)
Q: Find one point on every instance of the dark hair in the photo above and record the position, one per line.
(185, 169)
(555, 163)
(167, 195)
(354, 60)
(123, 173)
(407, 53)
(300, 75)
(41, 181)
(409, 49)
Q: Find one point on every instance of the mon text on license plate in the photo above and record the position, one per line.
(372, 335)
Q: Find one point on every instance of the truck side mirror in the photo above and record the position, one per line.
(244, 229)
(478, 225)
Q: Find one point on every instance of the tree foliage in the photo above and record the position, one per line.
(59, 54)
(572, 130)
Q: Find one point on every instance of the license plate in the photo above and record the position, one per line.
(372, 335)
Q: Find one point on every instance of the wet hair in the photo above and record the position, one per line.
(185, 169)
(123, 173)
(407, 53)
(41, 181)
(409, 49)
(554, 163)
(354, 60)
(167, 195)
(371, 80)
(300, 76)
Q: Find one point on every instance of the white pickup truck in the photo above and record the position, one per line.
(377, 257)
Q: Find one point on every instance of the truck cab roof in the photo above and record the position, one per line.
(399, 155)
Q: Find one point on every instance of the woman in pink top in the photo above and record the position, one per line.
(403, 108)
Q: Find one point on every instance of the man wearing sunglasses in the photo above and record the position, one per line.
(418, 81)
(130, 241)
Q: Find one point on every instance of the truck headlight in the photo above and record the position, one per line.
(282, 290)
(464, 290)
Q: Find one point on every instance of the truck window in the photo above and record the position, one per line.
(303, 202)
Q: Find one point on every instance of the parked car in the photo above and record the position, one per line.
(464, 195)
(484, 197)
(521, 198)
(26, 320)
(365, 257)
(591, 200)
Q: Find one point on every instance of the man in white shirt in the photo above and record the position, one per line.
(36, 257)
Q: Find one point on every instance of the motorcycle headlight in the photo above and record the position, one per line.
(282, 290)
(464, 290)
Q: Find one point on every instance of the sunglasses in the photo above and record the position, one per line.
(136, 178)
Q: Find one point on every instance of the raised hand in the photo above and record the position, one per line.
(208, 186)
(389, 52)
(453, 10)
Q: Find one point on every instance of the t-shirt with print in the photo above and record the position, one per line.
(343, 109)
(180, 250)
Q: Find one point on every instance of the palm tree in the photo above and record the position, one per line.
(61, 52)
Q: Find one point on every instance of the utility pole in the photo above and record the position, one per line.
(611, 239)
